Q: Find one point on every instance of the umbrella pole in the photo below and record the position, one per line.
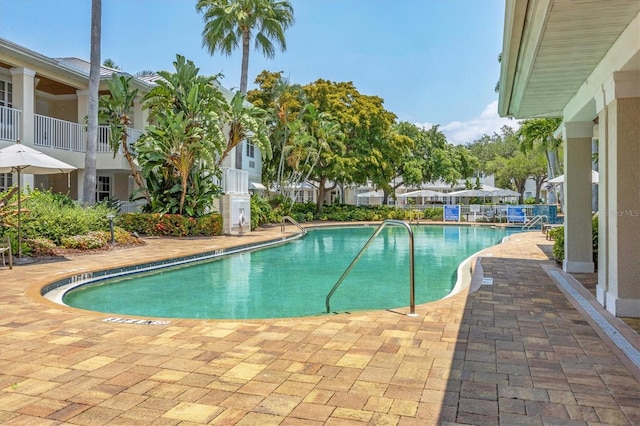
(19, 214)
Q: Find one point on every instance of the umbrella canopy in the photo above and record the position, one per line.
(470, 193)
(371, 194)
(595, 177)
(22, 159)
(422, 193)
(504, 193)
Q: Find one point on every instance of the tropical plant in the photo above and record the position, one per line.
(242, 120)
(537, 133)
(284, 103)
(115, 111)
(89, 179)
(233, 23)
(178, 153)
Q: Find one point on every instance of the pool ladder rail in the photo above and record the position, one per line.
(538, 219)
(412, 292)
(293, 221)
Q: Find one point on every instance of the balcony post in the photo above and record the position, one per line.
(23, 80)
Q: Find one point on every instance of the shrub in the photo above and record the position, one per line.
(92, 240)
(558, 244)
(55, 216)
(124, 237)
(41, 246)
(173, 225)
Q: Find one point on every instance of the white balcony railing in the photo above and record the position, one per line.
(60, 134)
(235, 181)
(54, 133)
(9, 124)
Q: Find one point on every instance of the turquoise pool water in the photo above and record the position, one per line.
(293, 279)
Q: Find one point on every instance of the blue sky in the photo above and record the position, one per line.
(432, 61)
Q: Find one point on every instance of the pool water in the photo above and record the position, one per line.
(293, 279)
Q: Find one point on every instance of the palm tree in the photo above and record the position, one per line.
(110, 64)
(538, 133)
(115, 111)
(89, 180)
(229, 23)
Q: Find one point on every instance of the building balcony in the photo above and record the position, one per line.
(55, 133)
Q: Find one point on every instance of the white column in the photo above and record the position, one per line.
(140, 116)
(24, 99)
(622, 229)
(83, 105)
(603, 202)
(578, 251)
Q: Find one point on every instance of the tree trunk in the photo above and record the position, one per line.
(321, 194)
(89, 180)
(134, 171)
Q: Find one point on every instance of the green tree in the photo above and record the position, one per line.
(110, 64)
(243, 119)
(90, 159)
(365, 125)
(230, 23)
(178, 153)
(285, 104)
(537, 133)
(115, 111)
(432, 157)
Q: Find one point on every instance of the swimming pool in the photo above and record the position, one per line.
(293, 279)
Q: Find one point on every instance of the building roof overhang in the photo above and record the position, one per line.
(556, 53)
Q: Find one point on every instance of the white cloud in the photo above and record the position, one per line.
(489, 122)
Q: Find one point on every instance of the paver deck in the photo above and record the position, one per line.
(515, 352)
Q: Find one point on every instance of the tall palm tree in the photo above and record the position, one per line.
(229, 23)
(89, 180)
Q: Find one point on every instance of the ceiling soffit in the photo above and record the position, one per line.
(562, 42)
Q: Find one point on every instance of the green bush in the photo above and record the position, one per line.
(260, 210)
(41, 246)
(90, 241)
(558, 244)
(171, 225)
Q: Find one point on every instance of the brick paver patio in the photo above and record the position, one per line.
(515, 352)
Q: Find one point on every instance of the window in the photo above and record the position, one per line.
(6, 181)
(251, 150)
(103, 190)
(6, 94)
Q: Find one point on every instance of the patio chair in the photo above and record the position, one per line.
(5, 246)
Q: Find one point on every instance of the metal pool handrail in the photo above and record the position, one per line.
(412, 297)
(292, 220)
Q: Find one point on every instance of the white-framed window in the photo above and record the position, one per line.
(6, 94)
(251, 150)
(6, 181)
(103, 189)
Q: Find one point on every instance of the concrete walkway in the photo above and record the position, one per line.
(514, 352)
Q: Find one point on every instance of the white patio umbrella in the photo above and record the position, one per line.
(560, 179)
(470, 193)
(371, 194)
(422, 193)
(18, 158)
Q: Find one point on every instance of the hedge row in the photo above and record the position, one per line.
(171, 225)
